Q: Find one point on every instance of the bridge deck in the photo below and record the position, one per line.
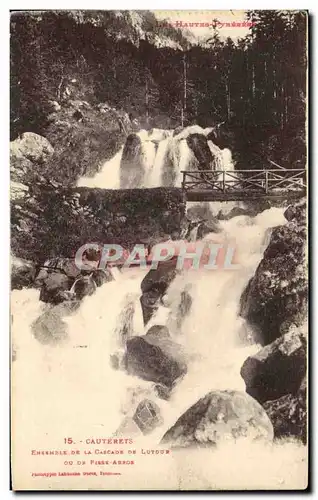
(210, 195)
(240, 185)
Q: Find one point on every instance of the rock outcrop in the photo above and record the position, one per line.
(277, 296)
(84, 136)
(50, 328)
(155, 357)
(154, 286)
(288, 414)
(220, 416)
(147, 416)
(199, 145)
(23, 273)
(28, 150)
(197, 228)
(278, 369)
(60, 279)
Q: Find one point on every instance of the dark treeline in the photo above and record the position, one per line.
(256, 85)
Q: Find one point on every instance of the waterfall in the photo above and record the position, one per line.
(187, 161)
(108, 177)
(155, 177)
(154, 158)
(77, 385)
(149, 154)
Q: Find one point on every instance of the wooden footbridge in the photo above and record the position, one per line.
(234, 185)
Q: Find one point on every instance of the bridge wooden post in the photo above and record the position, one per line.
(223, 178)
(183, 181)
(266, 181)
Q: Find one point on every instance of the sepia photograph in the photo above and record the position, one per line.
(159, 250)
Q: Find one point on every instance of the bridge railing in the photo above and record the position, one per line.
(230, 181)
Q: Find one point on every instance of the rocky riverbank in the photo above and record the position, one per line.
(275, 302)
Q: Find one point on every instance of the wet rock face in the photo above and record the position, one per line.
(50, 328)
(83, 286)
(59, 279)
(184, 307)
(22, 273)
(278, 369)
(149, 303)
(288, 415)
(277, 296)
(199, 145)
(147, 416)
(56, 277)
(197, 229)
(222, 136)
(207, 227)
(155, 358)
(132, 166)
(296, 212)
(157, 332)
(249, 210)
(62, 288)
(177, 130)
(218, 416)
(154, 286)
(31, 147)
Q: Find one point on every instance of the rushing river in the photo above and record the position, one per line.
(72, 390)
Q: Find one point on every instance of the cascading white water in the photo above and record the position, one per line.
(161, 158)
(75, 386)
(154, 177)
(108, 177)
(149, 154)
(186, 160)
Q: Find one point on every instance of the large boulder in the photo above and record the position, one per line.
(147, 416)
(277, 369)
(32, 147)
(222, 136)
(197, 228)
(20, 167)
(277, 296)
(28, 154)
(132, 166)
(288, 414)
(18, 191)
(50, 328)
(199, 145)
(158, 335)
(154, 286)
(22, 273)
(219, 416)
(296, 212)
(56, 276)
(60, 279)
(156, 358)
